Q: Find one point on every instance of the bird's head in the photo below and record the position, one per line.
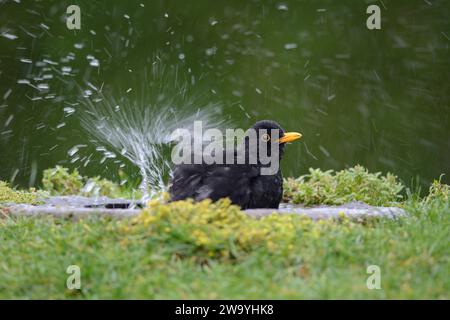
(272, 134)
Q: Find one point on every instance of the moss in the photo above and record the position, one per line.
(222, 230)
(335, 188)
(7, 194)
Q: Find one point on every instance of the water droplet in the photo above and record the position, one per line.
(290, 46)
(43, 86)
(68, 111)
(73, 151)
(94, 63)
(66, 69)
(9, 36)
(211, 51)
(282, 7)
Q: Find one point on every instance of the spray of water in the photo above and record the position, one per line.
(141, 131)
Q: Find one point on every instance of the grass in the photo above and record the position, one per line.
(212, 250)
(143, 259)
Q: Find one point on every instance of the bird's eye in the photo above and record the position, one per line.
(265, 137)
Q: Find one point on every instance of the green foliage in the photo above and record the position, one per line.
(100, 186)
(438, 191)
(7, 194)
(334, 188)
(59, 181)
(222, 254)
(205, 250)
(222, 230)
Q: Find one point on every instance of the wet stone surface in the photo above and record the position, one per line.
(352, 210)
(78, 207)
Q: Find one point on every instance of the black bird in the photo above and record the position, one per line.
(242, 183)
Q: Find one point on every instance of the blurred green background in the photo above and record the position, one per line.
(380, 98)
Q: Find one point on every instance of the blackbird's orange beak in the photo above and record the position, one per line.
(289, 137)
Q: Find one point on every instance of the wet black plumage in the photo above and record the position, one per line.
(242, 183)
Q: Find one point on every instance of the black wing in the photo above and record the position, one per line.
(200, 182)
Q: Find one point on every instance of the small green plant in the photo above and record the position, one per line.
(438, 191)
(7, 194)
(59, 181)
(335, 188)
(98, 186)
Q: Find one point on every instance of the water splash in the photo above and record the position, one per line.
(141, 131)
